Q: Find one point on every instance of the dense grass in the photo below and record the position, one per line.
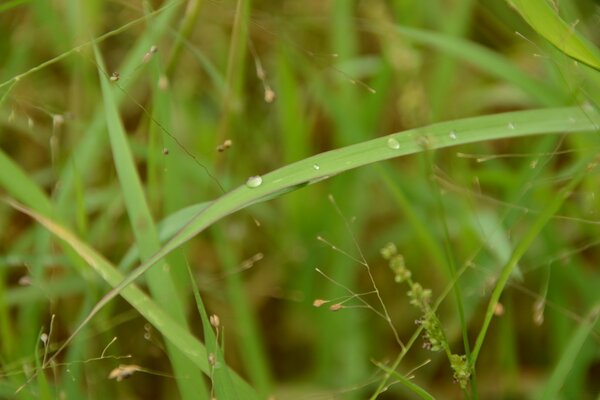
(184, 181)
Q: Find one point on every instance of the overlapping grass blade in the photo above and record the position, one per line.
(407, 383)
(545, 21)
(159, 280)
(165, 324)
(525, 242)
(522, 123)
(485, 59)
(221, 380)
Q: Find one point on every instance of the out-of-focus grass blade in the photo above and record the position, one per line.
(488, 61)
(565, 364)
(11, 4)
(221, 380)
(166, 325)
(581, 168)
(18, 184)
(545, 21)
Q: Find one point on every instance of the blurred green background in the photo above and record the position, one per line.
(284, 80)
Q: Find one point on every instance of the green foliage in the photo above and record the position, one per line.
(160, 153)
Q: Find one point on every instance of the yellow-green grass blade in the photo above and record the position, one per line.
(159, 279)
(156, 315)
(545, 21)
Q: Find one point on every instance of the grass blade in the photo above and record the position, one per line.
(160, 280)
(416, 389)
(545, 21)
(522, 123)
(165, 324)
(221, 380)
(565, 364)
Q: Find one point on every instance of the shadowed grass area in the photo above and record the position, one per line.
(198, 194)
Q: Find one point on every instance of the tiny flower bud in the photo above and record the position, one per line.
(319, 302)
(215, 321)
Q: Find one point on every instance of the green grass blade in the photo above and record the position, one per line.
(545, 21)
(166, 229)
(221, 380)
(251, 346)
(159, 279)
(488, 61)
(16, 182)
(565, 364)
(404, 381)
(86, 155)
(165, 324)
(522, 123)
(551, 208)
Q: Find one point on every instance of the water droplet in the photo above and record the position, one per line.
(254, 181)
(452, 135)
(316, 167)
(393, 144)
(511, 125)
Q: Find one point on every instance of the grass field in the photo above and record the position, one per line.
(343, 199)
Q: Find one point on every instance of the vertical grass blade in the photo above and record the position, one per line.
(159, 279)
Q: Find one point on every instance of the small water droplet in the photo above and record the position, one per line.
(452, 135)
(511, 125)
(254, 181)
(316, 167)
(393, 144)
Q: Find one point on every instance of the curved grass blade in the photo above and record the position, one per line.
(165, 324)
(446, 134)
(545, 21)
(441, 135)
